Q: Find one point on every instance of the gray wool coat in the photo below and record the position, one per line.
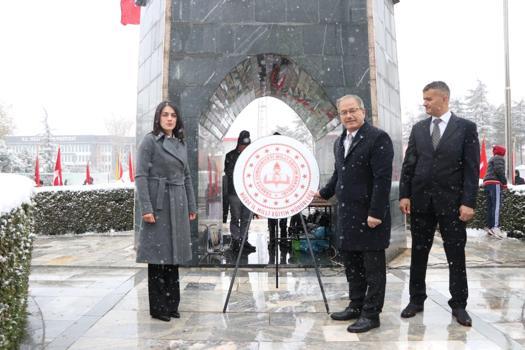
(164, 188)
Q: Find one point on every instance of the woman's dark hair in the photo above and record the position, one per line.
(178, 132)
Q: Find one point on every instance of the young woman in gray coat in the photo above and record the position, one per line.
(166, 199)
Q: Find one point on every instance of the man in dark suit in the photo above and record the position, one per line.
(361, 182)
(439, 185)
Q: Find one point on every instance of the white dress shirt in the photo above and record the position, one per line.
(347, 142)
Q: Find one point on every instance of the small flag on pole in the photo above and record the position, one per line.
(37, 172)
(483, 160)
(118, 169)
(89, 179)
(130, 168)
(129, 12)
(57, 175)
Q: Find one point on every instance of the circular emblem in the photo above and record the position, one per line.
(276, 177)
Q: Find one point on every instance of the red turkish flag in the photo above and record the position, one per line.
(130, 168)
(87, 181)
(483, 164)
(37, 172)
(129, 12)
(57, 175)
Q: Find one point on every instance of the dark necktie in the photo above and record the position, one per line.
(436, 133)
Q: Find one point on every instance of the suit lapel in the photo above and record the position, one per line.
(172, 148)
(451, 128)
(360, 136)
(426, 134)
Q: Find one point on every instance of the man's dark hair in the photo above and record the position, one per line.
(438, 85)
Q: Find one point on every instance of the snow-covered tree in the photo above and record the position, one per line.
(299, 131)
(6, 123)
(497, 126)
(518, 128)
(408, 121)
(479, 110)
(457, 105)
(11, 162)
(47, 152)
(119, 126)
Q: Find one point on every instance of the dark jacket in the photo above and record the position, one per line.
(361, 182)
(446, 177)
(229, 166)
(495, 171)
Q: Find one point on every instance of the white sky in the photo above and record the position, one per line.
(75, 58)
(459, 42)
(72, 57)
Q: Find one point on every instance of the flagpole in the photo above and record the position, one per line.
(508, 116)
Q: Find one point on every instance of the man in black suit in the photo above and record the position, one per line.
(439, 185)
(361, 182)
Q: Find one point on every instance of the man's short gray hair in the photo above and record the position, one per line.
(356, 98)
(438, 85)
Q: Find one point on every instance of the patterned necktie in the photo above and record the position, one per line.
(348, 143)
(436, 133)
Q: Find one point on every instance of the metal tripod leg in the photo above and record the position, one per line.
(245, 234)
(276, 240)
(315, 263)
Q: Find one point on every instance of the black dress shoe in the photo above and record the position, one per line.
(363, 324)
(462, 317)
(164, 318)
(175, 314)
(347, 314)
(411, 310)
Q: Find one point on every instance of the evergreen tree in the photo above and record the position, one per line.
(497, 126)
(518, 129)
(457, 105)
(480, 111)
(6, 123)
(11, 162)
(47, 150)
(299, 131)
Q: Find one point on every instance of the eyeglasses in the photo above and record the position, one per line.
(349, 111)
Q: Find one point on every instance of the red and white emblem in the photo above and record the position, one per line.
(276, 176)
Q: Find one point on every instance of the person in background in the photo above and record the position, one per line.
(239, 214)
(518, 180)
(493, 183)
(167, 204)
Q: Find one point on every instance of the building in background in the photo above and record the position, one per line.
(77, 150)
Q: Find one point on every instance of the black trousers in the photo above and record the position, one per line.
(366, 276)
(454, 234)
(272, 225)
(163, 289)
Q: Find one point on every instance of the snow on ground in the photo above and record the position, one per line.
(14, 190)
(476, 232)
